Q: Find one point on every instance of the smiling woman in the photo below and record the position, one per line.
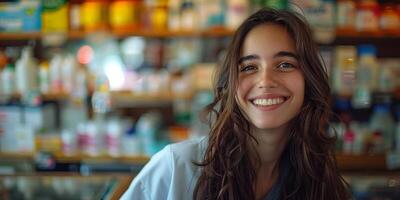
(271, 86)
(268, 138)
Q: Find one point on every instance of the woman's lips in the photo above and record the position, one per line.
(268, 103)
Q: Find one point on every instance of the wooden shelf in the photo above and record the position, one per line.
(120, 99)
(77, 158)
(79, 34)
(345, 162)
(54, 96)
(361, 162)
(16, 156)
(343, 33)
(129, 99)
(212, 32)
(45, 97)
(20, 36)
(100, 158)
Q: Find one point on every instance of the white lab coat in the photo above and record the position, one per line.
(170, 174)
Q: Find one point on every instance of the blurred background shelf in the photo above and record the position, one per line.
(128, 99)
(19, 156)
(212, 32)
(361, 162)
(143, 69)
(20, 36)
(343, 33)
(347, 163)
(79, 34)
(77, 158)
(44, 97)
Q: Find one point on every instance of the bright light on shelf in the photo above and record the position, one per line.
(113, 68)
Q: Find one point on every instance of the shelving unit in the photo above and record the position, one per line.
(20, 36)
(129, 99)
(361, 162)
(213, 32)
(134, 104)
(343, 33)
(140, 159)
(345, 162)
(79, 34)
(120, 99)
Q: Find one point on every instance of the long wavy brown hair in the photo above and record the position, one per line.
(227, 169)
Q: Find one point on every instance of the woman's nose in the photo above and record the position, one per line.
(267, 79)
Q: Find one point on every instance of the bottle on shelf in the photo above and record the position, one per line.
(55, 73)
(386, 78)
(390, 18)
(344, 70)
(382, 121)
(345, 14)
(113, 135)
(148, 128)
(376, 143)
(24, 69)
(94, 15)
(341, 129)
(124, 15)
(7, 80)
(44, 78)
(367, 15)
(55, 16)
(366, 77)
(349, 138)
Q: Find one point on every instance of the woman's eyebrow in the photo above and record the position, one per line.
(248, 57)
(286, 54)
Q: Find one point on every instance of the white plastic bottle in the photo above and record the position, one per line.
(382, 121)
(25, 72)
(344, 69)
(366, 77)
(7, 80)
(55, 74)
(386, 78)
(68, 73)
(114, 132)
(44, 80)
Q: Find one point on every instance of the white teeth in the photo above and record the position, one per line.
(268, 102)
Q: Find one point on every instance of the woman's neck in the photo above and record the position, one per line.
(271, 144)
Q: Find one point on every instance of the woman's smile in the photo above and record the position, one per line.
(268, 102)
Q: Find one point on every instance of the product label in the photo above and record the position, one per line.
(52, 5)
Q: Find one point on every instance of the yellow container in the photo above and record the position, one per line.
(159, 17)
(124, 14)
(55, 16)
(94, 15)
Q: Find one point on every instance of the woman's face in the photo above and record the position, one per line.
(271, 85)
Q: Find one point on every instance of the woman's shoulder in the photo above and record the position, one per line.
(170, 173)
(188, 150)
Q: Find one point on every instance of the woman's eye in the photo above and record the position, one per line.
(247, 68)
(285, 67)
